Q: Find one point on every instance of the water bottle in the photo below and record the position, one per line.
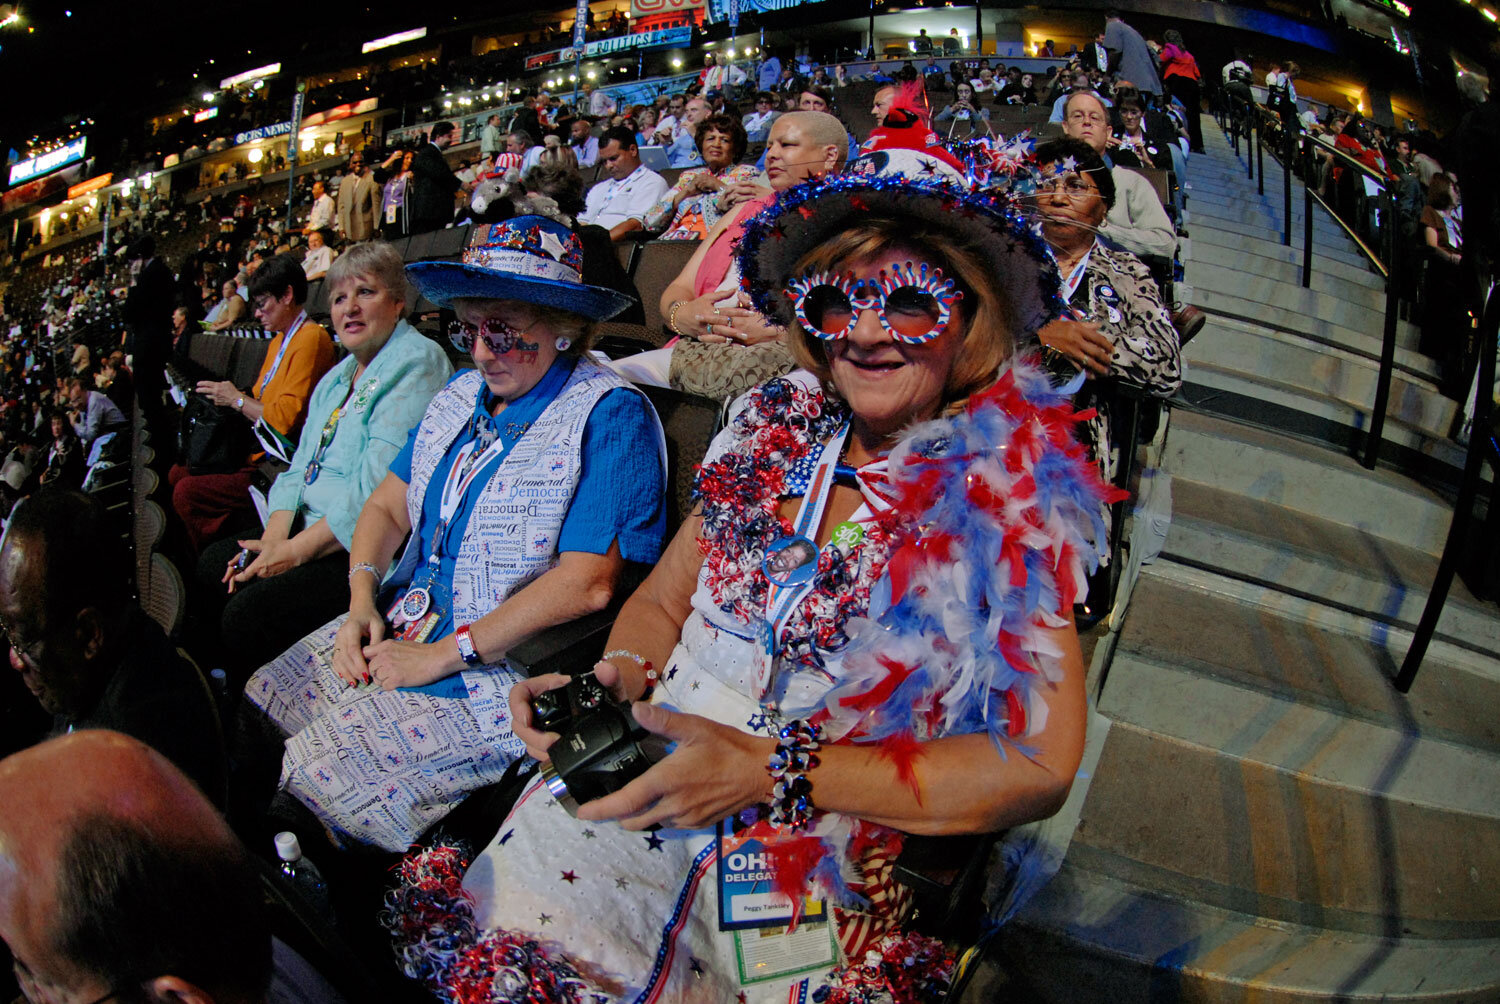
(303, 875)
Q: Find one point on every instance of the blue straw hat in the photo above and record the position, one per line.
(527, 258)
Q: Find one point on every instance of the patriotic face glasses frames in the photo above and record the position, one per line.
(913, 302)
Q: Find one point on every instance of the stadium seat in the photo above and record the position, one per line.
(163, 595)
(448, 244)
(625, 252)
(249, 356)
(316, 303)
(657, 263)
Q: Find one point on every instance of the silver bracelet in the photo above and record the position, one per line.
(652, 676)
(365, 566)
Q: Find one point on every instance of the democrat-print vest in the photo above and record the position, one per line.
(512, 535)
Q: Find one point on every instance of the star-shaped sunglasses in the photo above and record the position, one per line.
(913, 302)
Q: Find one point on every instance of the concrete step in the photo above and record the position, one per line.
(1291, 297)
(1305, 650)
(1305, 477)
(1418, 452)
(1291, 362)
(1326, 242)
(1365, 342)
(1089, 936)
(1359, 287)
(1264, 210)
(1241, 242)
(1261, 543)
(1325, 806)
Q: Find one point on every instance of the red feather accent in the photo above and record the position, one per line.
(903, 750)
(1067, 586)
(1015, 656)
(1017, 710)
(895, 674)
(792, 859)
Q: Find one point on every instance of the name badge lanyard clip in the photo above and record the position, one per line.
(782, 601)
(473, 460)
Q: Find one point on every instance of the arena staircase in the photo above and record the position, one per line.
(1269, 819)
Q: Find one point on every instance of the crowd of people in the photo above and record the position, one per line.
(918, 333)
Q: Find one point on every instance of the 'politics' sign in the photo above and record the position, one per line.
(657, 39)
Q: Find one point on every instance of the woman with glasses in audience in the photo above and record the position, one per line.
(529, 484)
(212, 503)
(1130, 146)
(816, 641)
(292, 576)
(692, 207)
(1116, 327)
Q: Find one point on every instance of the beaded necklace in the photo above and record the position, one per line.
(778, 437)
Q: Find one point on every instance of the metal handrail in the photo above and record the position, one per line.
(1359, 242)
(1481, 444)
(1256, 117)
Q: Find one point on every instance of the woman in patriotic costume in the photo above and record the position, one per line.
(912, 667)
(528, 484)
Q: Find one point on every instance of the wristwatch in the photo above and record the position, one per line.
(466, 649)
(239, 404)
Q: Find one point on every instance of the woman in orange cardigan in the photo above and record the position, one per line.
(214, 505)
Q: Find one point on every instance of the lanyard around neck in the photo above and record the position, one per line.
(286, 340)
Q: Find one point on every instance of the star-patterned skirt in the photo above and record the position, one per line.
(635, 912)
(381, 766)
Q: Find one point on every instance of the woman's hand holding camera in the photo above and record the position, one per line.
(621, 687)
(268, 557)
(713, 771)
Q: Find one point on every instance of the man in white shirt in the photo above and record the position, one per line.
(322, 209)
(620, 204)
(666, 126)
(600, 105)
(584, 145)
(489, 138)
(319, 256)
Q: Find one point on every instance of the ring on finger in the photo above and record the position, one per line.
(708, 328)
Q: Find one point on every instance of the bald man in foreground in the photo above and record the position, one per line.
(119, 879)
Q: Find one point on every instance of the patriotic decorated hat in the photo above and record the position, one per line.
(527, 258)
(902, 173)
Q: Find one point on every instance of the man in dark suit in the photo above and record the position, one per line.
(1096, 56)
(88, 654)
(430, 199)
(148, 326)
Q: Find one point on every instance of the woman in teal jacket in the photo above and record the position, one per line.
(295, 577)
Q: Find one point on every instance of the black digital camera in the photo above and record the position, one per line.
(602, 748)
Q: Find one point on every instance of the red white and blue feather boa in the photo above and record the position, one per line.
(940, 618)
